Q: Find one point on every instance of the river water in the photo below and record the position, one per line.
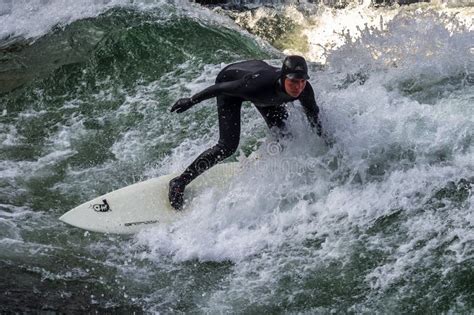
(380, 221)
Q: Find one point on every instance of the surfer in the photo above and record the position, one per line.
(267, 87)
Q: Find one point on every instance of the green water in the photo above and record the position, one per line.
(380, 222)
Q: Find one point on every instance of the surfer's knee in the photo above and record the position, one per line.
(227, 149)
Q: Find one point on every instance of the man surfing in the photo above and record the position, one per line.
(267, 87)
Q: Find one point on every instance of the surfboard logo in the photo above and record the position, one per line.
(101, 207)
(141, 222)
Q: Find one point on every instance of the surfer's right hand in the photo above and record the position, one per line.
(183, 104)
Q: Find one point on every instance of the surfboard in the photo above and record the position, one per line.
(144, 204)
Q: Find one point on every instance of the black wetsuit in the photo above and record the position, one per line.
(254, 81)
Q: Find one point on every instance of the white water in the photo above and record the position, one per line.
(327, 29)
(369, 122)
(398, 105)
(394, 151)
(34, 18)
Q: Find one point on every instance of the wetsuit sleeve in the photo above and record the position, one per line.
(229, 88)
(310, 107)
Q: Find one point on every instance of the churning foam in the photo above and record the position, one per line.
(394, 148)
(32, 19)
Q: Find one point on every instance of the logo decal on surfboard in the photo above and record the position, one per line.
(101, 207)
(141, 222)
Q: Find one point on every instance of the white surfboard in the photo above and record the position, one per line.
(130, 209)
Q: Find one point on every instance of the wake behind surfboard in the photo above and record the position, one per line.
(130, 209)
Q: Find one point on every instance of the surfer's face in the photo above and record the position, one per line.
(294, 87)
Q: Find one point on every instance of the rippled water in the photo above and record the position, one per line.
(381, 221)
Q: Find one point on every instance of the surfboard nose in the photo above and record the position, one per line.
(129, 209)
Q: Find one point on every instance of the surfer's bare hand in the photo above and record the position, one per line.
(183, 104)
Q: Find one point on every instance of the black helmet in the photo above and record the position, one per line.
(294, 67)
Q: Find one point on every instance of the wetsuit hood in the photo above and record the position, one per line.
(294, 67)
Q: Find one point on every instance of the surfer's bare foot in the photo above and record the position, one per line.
(176, 193)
